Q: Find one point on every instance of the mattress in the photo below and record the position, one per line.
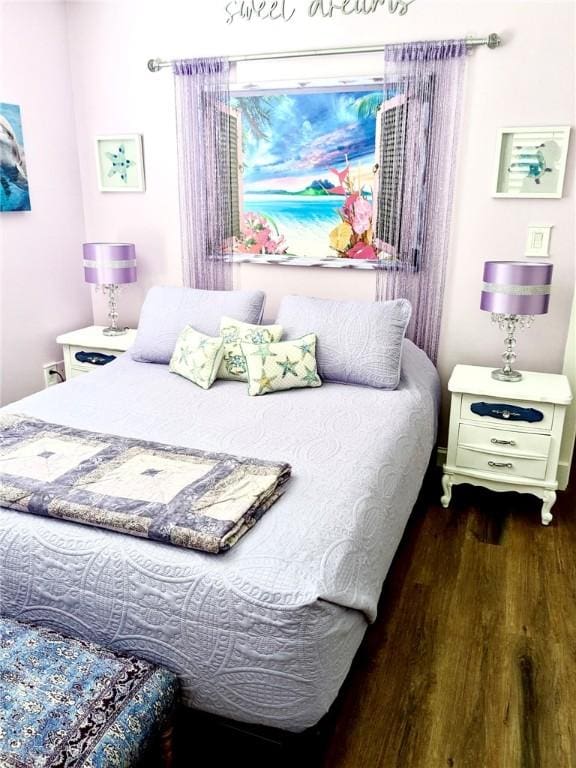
(266, 632)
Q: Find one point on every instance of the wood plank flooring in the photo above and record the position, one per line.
(472, 660)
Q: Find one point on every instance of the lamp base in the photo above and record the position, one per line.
(111, 331)
(510, 323)
(501, 374)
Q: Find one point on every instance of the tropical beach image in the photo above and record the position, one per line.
(308, 173)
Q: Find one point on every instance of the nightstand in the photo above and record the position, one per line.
(506, 436)
(88, 349)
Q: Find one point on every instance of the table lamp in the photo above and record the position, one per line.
(110, 265)
(514, 291)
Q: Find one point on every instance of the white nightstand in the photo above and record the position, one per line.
(88, 348)
(506, 436)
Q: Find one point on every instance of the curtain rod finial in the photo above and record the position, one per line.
(154, 65)
(494, 40)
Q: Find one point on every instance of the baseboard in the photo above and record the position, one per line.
(563, 475)
(441, 456)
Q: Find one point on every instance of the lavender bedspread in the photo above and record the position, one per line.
(265, 632)
(181, 496)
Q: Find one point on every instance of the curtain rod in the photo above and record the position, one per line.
(492, 41)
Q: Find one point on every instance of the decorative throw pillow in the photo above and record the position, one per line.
(166, 310)
(359, 342)
(284, 365)
(234, 333)
(197, 357)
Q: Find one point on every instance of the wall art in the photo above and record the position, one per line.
(286, 10)
(14, 193)
(531, 161)
(308, 175)
(120, 163)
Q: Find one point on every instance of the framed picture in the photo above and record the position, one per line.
(531, 162)
(14, 194)
(307, 162)
(120, 163)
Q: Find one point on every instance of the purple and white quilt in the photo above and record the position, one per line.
(181, 496)
(265, 633)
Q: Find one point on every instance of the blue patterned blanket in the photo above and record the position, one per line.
(180, 496)
(66, 703)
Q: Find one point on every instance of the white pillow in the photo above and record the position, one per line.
(197, 357)
(234, 333)
(285, 365)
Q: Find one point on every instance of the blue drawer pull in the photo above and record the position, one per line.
(94, 358)
(507, 412)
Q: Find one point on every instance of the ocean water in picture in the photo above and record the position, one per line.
(14, 194)
(305, 222)
(303, 154)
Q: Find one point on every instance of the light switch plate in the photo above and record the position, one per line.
(538, 242)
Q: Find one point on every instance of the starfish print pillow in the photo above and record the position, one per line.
(234, 332)
(197, 357)
(281, 365)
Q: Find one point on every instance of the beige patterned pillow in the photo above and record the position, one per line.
(284, 365)
(197, 357)
(234, 333)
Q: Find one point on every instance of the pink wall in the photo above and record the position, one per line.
(529, 81)
(42, 292)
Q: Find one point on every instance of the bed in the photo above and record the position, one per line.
(266, 632)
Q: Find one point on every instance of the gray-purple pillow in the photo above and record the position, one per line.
(168, 310)
(359, 342)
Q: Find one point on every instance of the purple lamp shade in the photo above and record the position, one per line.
(109, 263)
(516, 287)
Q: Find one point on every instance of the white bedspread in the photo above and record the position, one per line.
(267, 631)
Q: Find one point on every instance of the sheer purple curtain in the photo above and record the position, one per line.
(202, 110)
(419, 126)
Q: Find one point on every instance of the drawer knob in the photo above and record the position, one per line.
(503, 464)
(502, 442)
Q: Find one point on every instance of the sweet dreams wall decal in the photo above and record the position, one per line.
(285, 10)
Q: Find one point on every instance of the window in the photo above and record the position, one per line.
(308, 175)
(322, 174)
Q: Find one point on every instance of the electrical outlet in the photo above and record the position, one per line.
(53, 373)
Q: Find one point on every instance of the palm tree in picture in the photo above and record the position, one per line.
(367, 105)
(256, 115)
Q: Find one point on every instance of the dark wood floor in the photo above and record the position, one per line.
(472, 661)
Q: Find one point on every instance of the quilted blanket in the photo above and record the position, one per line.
(181, 496)
(65, 703)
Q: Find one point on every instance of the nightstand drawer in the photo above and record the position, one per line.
(77, 372)
(504, 441)
(501, 465)
(507, 412)
(90, 358)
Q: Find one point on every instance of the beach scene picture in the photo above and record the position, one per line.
(308, 174)
(14, 194)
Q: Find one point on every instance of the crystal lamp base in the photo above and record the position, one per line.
(510, 324)
(503, 375)
(111, 331)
